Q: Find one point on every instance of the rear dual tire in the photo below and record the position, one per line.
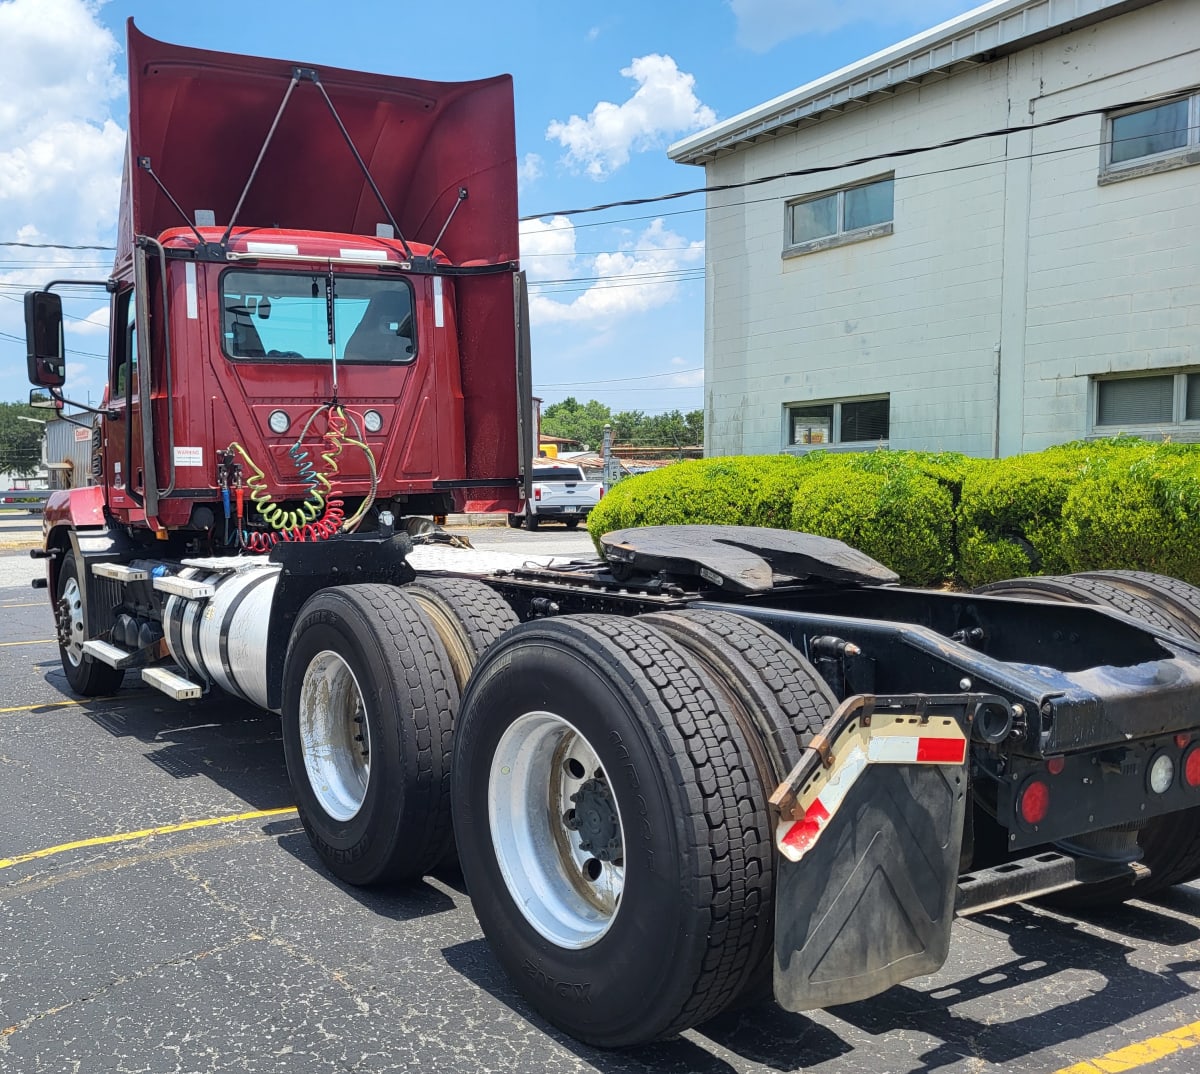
(368, 702)
(611, 818)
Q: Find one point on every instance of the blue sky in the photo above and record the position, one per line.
(601, 90)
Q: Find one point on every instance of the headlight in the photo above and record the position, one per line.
(278, 421)
(373, 420)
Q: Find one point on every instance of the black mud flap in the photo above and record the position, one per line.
(869, 831)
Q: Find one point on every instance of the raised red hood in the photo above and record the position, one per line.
(201, 118)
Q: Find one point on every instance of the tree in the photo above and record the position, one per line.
(573, 420)
(20, 441)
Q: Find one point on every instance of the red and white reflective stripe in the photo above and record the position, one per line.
(795, 839)
(800, 837)
(909, 749)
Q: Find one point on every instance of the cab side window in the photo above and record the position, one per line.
(125, 350)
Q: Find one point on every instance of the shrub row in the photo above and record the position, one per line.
(935, 517)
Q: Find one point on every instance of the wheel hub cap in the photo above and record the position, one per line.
(556, 830)
(335, 736)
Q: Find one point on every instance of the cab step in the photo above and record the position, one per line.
(173, 685)
(112, 655)
(188, 588)
(119, 572)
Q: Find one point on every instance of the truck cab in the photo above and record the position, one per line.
(315, 306)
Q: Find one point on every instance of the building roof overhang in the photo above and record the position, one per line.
(983, 34)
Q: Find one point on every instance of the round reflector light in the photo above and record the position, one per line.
(1191, 767)
(373, 420)
(1033, 803)
(1161, 773)
(1055, 765)
(278, 421)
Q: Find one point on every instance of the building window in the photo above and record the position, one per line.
(828, 219)
(844, 421)
(1146, 136)
(1159, 399)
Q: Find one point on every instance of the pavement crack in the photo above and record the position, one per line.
(121, 981)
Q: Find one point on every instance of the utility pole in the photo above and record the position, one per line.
(612, 465)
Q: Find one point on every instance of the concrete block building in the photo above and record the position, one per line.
(1030, 276)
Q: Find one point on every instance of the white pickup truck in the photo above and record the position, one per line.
(560, 494)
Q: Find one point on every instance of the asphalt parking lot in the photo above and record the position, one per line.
(162, 910)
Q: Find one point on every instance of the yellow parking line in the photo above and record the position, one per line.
(35, 604)
(145, 833)
(1137, 1055)
(40, 641)
(51, 704)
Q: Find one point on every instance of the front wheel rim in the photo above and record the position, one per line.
(335, 735)
(556, 830)
(70, 625)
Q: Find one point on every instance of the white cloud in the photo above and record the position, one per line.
(643, 275)
(548, 248)
(61, 153)
(686, 378)
(763, 24)
(60, 150)
(529, 170)
(93, 324)
(663, 105)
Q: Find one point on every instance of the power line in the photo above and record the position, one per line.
(821, 169)
(53, 246)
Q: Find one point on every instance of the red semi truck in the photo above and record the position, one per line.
(716, 760)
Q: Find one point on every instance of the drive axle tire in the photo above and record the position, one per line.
(368, 700)
(87, 676)
(1170, 843)
(515, 521)
(610, 830)
(1082, 589)
(467, 615)
(1179, 600)
(779, 701)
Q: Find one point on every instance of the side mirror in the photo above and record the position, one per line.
(45, 356)
(38, 401)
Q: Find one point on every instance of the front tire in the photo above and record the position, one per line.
(609, 828)
(368, 701)
(86, 676)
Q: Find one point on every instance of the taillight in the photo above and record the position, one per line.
(537, 493)
(1191, 767)
(602, 492)
(1033, 803)
(1055, 765)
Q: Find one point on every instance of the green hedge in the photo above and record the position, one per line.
(934, 517)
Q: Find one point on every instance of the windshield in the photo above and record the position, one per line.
(284, 315)
(557, 473)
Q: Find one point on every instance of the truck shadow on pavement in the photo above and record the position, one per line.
(231, 743)
(765, 1034)
(1029, 1007)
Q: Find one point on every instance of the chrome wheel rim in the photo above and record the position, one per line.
(556, 830)
(335, 737)
(70, 623)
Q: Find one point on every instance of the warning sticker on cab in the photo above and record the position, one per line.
(189, 456)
